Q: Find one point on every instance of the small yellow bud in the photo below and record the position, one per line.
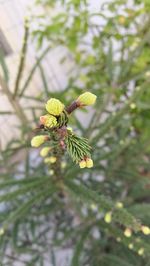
(132, 105)
(38, 140)
(51, 159)
(128, 232)
(86, 98)
(2, 231)
(63, 165)
(51, 172)
(48, 120)
(46, 160)
(119, 205)
(130, 246)
(147, 74)
(44, 152)
(89, 163)
(138, 88)
(70, 129)
(118, 239)
(108, 217)
(54, 107)
(138, 240)
(82, 164)
(145, 230)
(141, 251)
(93, 207)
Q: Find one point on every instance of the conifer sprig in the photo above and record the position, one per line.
(77, 147)
(55, 123)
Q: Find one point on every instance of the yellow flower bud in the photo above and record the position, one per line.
(108, 217)
(147, 74)
(141, 251)
(44, 152)
(130, 246)
(132, 105)
(118, 239)
(63, 165)
(89, 163)
(138, 240)
(51, 172)
(51, 159)
(46, 160)
(2, 231)
(145, 230)
(70, 129)
(128, 232)
(82, 164)
(119, 205)
(54, 107)
(38, 140)
(94, 207)
(86, 98)
(48, 120)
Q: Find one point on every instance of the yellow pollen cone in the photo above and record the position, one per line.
(128, 232)
(51, 172)
(86, 98)
(118, 239)
(2, 231)
(63, 165)
(48, 120)
(89, 163)
(119, 205)
(141, 251)
(51, 159)
(130, 246)
(44, 152)
(54, 107)
(145, 230)
(38, 140)
(108, 217)
(82, 164)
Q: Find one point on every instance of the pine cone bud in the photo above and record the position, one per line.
(89, 163)
(86, 98)
(141, 251)
(128, 232)
(51, 159)
(108, 217)
(38, 140)
(82, 164)
(145, 230)
(48, 121)
(54, 107)
(44, 152)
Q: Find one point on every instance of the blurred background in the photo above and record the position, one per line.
(13, 14)
(62, 48)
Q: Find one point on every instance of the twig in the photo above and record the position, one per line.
(33, 70)
(15, 104)
(22, 57)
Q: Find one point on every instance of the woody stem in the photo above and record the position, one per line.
(73, 106)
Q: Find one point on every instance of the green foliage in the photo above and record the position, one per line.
(77, 147)
(44, 210)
